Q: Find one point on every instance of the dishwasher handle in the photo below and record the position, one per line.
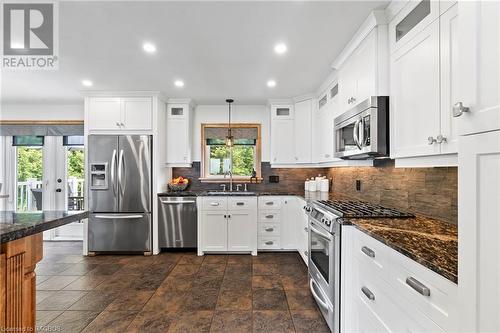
(177, 202)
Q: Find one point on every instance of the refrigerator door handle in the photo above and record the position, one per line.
(120, 165)
(113, 164)
(113, 217)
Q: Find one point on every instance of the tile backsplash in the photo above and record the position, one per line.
(427, 191)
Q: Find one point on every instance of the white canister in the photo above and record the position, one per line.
(325, 185)
(318, 182)
(312, 186)
(306, 185)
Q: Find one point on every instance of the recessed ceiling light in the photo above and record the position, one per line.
(271, 83)
(280, 48)
(179, 83)
(87, 83)
(149, 47)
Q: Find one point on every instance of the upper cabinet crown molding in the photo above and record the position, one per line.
(377, 17)
(303, 97)
(279, 101)
(136, 93)
(188, 101)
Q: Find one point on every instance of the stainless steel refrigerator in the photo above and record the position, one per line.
(119, 191)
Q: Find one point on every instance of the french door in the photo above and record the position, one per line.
(47, 174)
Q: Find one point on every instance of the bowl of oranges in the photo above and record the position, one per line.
(178, 184)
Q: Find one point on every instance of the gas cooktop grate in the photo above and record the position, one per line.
(362, 209)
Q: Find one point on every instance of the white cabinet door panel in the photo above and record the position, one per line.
(479, 44)
(242, 231)
(177, 141)
(214, 231)
(415, 97)
(479, 232)
(449, 78)
(302, 134)
(104, 113)
(137, 113)
(282, 141)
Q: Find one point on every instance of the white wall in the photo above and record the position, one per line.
(206, 114)
(41, 112)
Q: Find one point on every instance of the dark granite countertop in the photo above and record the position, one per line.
(15, 225)
(220, 193)
(430, 242)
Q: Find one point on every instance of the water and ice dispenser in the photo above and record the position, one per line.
(99, 176)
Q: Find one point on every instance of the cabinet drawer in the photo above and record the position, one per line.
(242, 203)
(372, 254)
(215, 203)
(427, 291)
(269, 229)
(374, 293)
(269, 216)
(268, 243)
(266, 202)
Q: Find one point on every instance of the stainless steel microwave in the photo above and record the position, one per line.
(363, 131)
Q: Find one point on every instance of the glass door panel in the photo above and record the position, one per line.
(29, 176)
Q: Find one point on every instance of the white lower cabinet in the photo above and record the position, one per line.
(277, 229)
(227, 224)
(376, 295)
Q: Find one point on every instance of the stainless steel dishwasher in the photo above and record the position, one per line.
(177, 222)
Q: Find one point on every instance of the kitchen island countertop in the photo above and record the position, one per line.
(16, 225)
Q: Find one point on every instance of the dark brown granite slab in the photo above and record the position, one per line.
(430, 242)
(15, 225)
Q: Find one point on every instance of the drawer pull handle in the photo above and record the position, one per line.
(418, 286)
(240, 204)
(269, 243)
(368, 293)
(369, 252)
(269, 203)
(269, 229)
(269, 216)
(214, 204)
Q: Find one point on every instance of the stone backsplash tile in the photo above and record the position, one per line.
(427, 191)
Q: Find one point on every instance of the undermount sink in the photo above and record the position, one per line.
(230, 193)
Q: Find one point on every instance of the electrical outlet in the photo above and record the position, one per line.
(358, 185)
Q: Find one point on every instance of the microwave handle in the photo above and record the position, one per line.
(362, 132)
(355, 132)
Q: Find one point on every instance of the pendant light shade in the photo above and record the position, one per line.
(229, 137)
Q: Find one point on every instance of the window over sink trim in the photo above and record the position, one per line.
(205, 175)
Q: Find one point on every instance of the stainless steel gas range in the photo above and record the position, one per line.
(325, 239)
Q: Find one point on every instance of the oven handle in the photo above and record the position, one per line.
(355, 133)
(325, 235)
(322, 303)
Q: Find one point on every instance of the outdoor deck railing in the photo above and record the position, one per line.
(26, 200)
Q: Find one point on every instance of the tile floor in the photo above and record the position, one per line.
(173, 292)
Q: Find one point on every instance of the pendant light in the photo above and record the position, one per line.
(229, 137)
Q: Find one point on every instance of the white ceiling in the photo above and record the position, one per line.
(219, 49)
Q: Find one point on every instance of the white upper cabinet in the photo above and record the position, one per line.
(302, 135)
(424, 81)
(282, 142)
(479, 77)
(136, 111)
(449, 78)
(326, 114)
(363, 65)
(291, 132)
(179, 129)
(119, 113)
(415, 95)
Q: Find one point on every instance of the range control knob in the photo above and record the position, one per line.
(328, 222)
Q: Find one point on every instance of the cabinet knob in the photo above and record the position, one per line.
(122, 124)
(431, 140)
(459, 109)
(117, 124)
(441, 139)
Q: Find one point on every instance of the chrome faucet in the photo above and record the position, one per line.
(230, 179)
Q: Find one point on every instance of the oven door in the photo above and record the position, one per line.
(322, 259)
